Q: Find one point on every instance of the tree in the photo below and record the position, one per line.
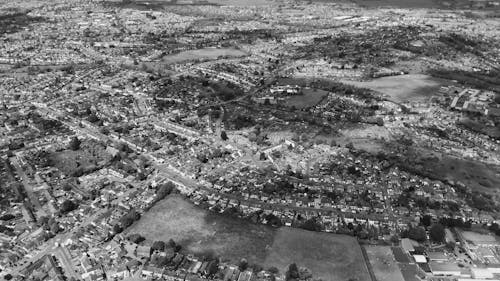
(117, 229)
(243, 265)
(262, 156)
(311, 224)
(7, 217)
(305, 273)
(426, 220)
(68, 206)
(171, 243)
(164, 189)
(273, 270)
(292, 272)
(223, 136)
(67, 186)
(74, 144)
(256, 267)
(273, 220)
(128, 219)
(395, 239)
(7, 277)
(136, 238)
(54, 228)
(417, 234)
(158, 245)
(177, 248)
(437, 233)
(213, 268)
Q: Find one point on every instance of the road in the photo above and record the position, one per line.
(189, 185)
(64, 257)
(27, 186)
(51, 245)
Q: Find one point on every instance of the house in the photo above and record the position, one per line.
(245, 276)
(420, 258)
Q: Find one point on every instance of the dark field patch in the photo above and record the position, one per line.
(14, 22)
(310, 97)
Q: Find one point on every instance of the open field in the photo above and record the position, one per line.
(365, 137)
(203, 232)
(410, 272)
(402, 88)
(310, 97)
(412, 4)
(383, 263)
(398, 3)
(476, 175)
(339, 255)
(478, 238)
(328, 256)
(202, 54)
(242, 2)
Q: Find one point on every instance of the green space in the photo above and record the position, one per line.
(481, 80)
(402, 88)
(328, 256)
(479, 238)
(202, 54)
(421, 4)
(383, 263)
(202, 232)
(309, 97)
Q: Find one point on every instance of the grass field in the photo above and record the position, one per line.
(207, 53)
(310, 97)
(402, 88)
(383, 263)
(478, 238)
(365, 137)
(328, 256)
(398, 3)
(412, 4)
(476, 175)
(203, 232)
(242, 2)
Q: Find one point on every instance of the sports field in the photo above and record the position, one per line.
(383, 263)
